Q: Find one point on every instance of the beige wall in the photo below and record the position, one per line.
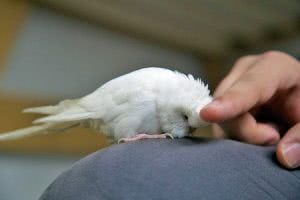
(12, 14)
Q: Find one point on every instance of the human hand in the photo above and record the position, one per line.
(259, 100)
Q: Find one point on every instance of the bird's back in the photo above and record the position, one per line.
(130, 86)
(140, 85)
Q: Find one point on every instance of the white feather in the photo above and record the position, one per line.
(20, 133)
(149, 100)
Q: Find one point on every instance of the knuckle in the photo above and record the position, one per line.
(279, 60)
(244, 61)
(274, 54)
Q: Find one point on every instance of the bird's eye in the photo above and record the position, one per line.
(185, 117)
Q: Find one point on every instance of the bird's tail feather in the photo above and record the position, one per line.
(67, 112)
(29, 131)
(54, 109)
(42, 110)
(64, 117)
(36, 130)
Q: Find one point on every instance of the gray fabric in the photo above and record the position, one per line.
(177, 169)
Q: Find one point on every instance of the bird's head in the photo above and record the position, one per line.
(181, 101)
(191, 112)
(184, 118)
(193, 96)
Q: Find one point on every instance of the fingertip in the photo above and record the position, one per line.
(288, 149)
(211, 112)
(288, 154)
(270, 134)
(280, 156)
(221, 109)
(247, 129)
(271, 139)
(265, 135)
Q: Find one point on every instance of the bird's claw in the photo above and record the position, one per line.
(169, 136)
(122, 140)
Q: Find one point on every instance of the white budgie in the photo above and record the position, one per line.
(147, 103)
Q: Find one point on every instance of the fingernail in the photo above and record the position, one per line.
(291, 154)
(213, 104)
(272, 140)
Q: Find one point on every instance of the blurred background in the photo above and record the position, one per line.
(56, 49)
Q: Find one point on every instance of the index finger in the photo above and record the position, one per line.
(253, 88)
(238, 69)
(240, 98)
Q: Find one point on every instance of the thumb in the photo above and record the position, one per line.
(288, 149)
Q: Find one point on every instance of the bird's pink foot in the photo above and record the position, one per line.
(145, 136)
